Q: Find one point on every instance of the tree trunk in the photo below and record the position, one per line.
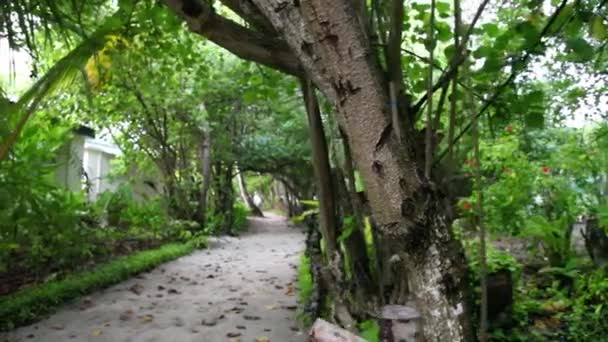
(329, 41)
(320, 158)
(332, 47)
(205, 155)
(224, 197)
(255, 211)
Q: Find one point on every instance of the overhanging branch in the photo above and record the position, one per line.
(245, 43)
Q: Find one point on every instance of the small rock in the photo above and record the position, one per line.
(233, 334)
(241, 327)
(251, 317)
(160, 288)
(178, 322)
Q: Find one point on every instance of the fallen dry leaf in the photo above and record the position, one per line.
(137, 289)
(127, 315)
(271, 307)
(261, 339)
(96, 332)
(147, 318)
(57, 326)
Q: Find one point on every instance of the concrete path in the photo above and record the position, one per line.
(240, 289)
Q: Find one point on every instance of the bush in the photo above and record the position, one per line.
(240, 212)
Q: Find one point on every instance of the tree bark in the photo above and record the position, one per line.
(205, 155)
(331, 45)
(224, 197)
(255, 211)
(320, 157)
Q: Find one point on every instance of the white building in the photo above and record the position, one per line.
(85, 164)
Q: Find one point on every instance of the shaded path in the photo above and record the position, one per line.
(242, 287)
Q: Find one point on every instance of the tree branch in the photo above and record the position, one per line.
(250, 14)
(243, 42)
(521, 62)
(457, 60)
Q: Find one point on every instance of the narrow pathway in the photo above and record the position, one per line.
(240, 289)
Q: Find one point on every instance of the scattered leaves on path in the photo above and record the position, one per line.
(147, 318)
(137, 289)
(127, 315)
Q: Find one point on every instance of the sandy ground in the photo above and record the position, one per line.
(241, 289)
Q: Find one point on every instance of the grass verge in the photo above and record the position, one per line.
(27, 305)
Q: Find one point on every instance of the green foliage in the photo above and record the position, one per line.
(496, 260)
(27, 305)
(37, 218)
(241, 212)
(216, 222)
(370, 330)
(554, 235)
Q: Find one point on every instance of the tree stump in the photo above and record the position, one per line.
(400, 323)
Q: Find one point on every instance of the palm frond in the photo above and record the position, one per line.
(59, 74)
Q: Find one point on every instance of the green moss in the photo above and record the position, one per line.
(305, 284)
(29, 304)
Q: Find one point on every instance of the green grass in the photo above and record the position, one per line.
(27, 305)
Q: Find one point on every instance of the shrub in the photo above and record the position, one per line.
(240, 212)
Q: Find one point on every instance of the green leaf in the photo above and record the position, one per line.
(443, 7)
(483, 51)
(580, 48)
(491, 29)
(598, 29)
(535, 119)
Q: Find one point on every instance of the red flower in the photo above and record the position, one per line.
(466, 205)
(471, 162)
(507, 171)
(546, 169)
(509, 129)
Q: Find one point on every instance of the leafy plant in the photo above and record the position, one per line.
(554, 236)
(370, 330)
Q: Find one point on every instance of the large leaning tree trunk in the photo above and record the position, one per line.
(322, 169)
(330, 44)
(255, 211)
